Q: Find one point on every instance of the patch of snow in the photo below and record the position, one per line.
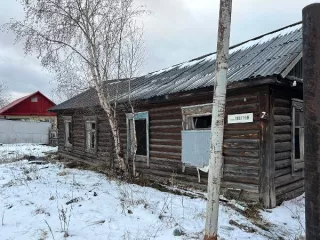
(10, 152)
(266, 38)
(161, 71)
(33, 204)
(244, 46)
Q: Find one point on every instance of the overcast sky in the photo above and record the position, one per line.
(175, 31)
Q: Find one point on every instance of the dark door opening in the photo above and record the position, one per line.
(141, 131)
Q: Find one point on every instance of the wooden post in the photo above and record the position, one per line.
(218, 112)
(311, 92)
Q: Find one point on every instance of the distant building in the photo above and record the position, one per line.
(31, 107)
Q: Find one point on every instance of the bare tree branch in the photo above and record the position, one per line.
(4, 95)
(85, 42)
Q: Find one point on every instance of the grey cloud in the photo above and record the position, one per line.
(175, 31)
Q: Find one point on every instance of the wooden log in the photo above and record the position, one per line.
(236, 109)
(290, 187)
(282, 129)
(166, 115)
(283, 171)
(165, 128)
(282, 155)
(287, 179)
(283, 164)
(241, 143)
(279, 102)
(282, 147)
(164, 148)
(241, 153)
(241, 161)
(243, 100)
(245, 134)
(237, 185)
(282, 111)
(164, 135)
(166, 122)
(175, 108)
(243, 126)
(235, 178)
(282, 138)
(290, 195)
(165, 155)
(280, 120)
(236, 169)
(166, 142)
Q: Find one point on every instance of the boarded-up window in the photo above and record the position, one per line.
(196, 134)
(297, 135)
(141, 122)
(91, 136)
(68, 131)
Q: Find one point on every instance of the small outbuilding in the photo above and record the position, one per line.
(264, 133)
(31, 107)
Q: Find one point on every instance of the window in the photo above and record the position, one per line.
(196, 136)
(297, 135)
(199, 122)
(197, 117)
(68, 131)
(141, 122)
(91, 136)
(140, 126)
(34, 99)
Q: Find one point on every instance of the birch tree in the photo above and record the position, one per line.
(4, 96)
(85, 37)
(217, 126)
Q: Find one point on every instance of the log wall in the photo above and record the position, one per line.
(287, 184)
(241, 177)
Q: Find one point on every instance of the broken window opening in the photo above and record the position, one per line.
(68, 132)
(202, 122)
(297, 135)
(91, 136)
(141, 133)
(141, 123)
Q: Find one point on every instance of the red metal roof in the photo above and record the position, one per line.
(9, 109)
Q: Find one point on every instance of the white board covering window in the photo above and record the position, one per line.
(68, 131)
(297, 135)
(91, 135)
(196, 134)
(141, 123)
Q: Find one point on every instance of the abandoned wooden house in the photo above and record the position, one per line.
(263, 139)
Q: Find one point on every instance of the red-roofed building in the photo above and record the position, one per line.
(31, 107)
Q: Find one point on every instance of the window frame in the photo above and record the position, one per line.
(190, 112)
(67, 143)
(91, 120)
(138, 116)
(297, 163)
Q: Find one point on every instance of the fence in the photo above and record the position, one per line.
(24, 132)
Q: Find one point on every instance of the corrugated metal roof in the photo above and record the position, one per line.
(264, 56)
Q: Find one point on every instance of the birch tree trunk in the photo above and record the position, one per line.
(82, 42)
(217, 127)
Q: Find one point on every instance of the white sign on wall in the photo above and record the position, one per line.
(240, 118)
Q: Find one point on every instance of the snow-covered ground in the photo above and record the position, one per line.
(33, 205)
(9, 152)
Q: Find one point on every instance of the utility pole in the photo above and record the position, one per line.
(217, 127)
(311, 93)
